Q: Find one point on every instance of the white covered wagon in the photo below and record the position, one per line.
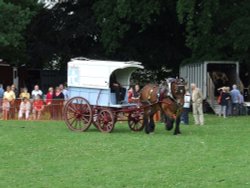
(91, 99)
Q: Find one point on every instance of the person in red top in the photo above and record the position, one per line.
(49, 96)
(48, 101)
(134, 94)
(38, 107)
(130, 95)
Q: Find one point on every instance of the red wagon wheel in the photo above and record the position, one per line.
(135, 120)
(78, 114)
(105, 120)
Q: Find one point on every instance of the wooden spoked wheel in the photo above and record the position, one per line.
(135, 120)
(78, 114)
(105, 120)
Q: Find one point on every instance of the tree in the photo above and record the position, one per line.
(67, 30)
(14, 18)
(145, 30)
(216, 29)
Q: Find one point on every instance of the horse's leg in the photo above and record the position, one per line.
(151, 123)
(145, 122)
(169, 123)
(177, 125)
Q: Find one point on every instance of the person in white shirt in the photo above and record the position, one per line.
(186, 107)
(36, 92)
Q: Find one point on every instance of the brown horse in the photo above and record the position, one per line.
(167, 97)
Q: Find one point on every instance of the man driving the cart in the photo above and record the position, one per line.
(116, 88)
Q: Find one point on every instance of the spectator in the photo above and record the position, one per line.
(14, 89)
(130, 94)
(225, 98)
(6, 108)
(1, 91)
(58, 99)
(24, 109)
(58, 94)
(242, 110)
(48, 101)
(24, 94)
(36, 92)
(197, 100)
(10, 96)
(64, 91)
(186, 107)
(1, 96)
(49, 96)
(38, 107)
(235, 96)
(136, 93)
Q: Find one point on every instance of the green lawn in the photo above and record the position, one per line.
(47, 154)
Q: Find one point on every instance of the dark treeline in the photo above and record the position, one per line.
(160, 33)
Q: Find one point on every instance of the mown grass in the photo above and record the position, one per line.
(47, 154)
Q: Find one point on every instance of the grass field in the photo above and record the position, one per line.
(47, 154)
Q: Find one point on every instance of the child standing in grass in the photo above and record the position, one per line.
(38, 107)
(6, 108)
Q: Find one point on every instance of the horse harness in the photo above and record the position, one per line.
(163, 92)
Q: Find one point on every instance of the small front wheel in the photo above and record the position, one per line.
(105, 120)
(135, 120)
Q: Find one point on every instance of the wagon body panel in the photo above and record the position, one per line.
(100, 97)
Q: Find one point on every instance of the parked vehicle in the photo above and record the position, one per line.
(91, 100)
(211, 75)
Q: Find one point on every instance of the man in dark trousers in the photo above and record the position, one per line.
(116, 88)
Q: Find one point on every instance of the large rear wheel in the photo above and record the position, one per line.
(78, 114)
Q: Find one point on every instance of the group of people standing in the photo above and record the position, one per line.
(232, 102)
(33, 103)
(196, 98)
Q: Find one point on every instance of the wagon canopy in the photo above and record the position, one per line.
(89, 73)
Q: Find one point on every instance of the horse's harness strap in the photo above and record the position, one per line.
(150, 93)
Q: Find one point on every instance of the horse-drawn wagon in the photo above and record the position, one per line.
(91, 98)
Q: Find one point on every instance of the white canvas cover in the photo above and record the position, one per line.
(88, 73)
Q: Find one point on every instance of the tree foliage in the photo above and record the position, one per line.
(146, 31)
(14, 18)
(67, 30)
(216, 29)
(154, 32)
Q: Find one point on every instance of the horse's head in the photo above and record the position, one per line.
(178, 90)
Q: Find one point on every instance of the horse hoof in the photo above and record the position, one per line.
(177, 133)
